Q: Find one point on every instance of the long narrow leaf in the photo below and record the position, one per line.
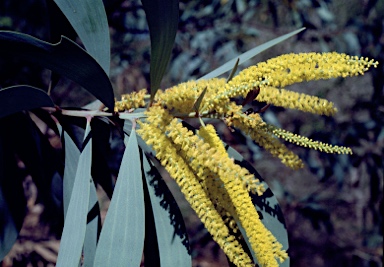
(91, 233)
(163, 18)
(17, 98)
(72, 155)
(72, 239)
(66, 58)
(249, 54)
(89, 20)
(122, 236)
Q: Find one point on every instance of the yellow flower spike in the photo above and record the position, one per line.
(182, 97)
(209, 135)
(132, 100)
(306, 142)
(294, 68)
(294, 100)
(255, 127)
(235, 194)
(193, 191)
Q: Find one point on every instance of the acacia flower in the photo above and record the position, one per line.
(217, 188)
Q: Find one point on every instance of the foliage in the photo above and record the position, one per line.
(222, 191)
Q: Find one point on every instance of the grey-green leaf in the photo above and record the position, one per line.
(17, 98)
(249, 54)
(89, 20)
(121, 240)
(163, 18)
(66, 58)
(72, 155)
(90, 241)
(72, 239)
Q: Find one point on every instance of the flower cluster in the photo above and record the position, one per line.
(132, 100)
(209, 179)
(217, 188)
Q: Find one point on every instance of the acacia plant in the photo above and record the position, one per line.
(233, 202)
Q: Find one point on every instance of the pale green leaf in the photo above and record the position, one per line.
(72, 155)
(121, 240)
(72, 239)
(91, 233)
(89, 20)
(249, 54)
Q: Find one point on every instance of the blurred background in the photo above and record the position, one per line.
(334, 206)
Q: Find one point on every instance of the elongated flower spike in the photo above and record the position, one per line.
(152, 131)
(216, 188)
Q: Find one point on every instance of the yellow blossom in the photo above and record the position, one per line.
(293, 100)
(179, 169)
(235, 197)
(182, 97)
(306, 142)
(132, 100)
(255, 127)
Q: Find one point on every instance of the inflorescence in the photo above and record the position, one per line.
(217, 188)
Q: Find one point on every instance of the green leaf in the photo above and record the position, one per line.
(267, 206)
(72, 155)
(233, 71)
(89, 20)
(17, 98)
(172, 239)
(249, 54)
(72, 239)
(122, 236)
(66, 58)
(163, 18)
(92, 231)
(196, 105)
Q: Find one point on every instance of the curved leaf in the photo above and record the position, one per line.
(163, 18)
(72, 239)
(122, 236)
(89, 20)
(17, 98)
(66, 58)
(248, 55)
